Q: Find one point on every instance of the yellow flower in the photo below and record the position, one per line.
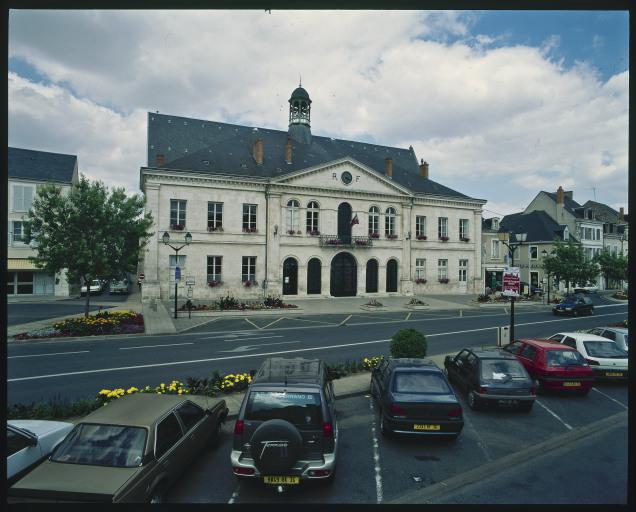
(180, 391)
(104, 391)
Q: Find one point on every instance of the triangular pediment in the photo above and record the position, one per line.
(336, 174)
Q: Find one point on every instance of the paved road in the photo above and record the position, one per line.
(407, 466)
(73, 369)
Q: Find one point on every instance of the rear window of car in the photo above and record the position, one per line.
(102, 445)
(423, 382)
(564, 358)
(604, 349)
(501, 370)
(300, 409)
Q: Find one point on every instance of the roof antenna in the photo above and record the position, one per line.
(300, 81)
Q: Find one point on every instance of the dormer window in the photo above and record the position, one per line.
(495, 223)
(566, 234)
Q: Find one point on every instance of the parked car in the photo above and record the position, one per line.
(586, 288)
(415, 397)
(491, 376)
(286, 430)
(95, 287)
(574, 305)
(119, 286)
(130, 450)
(553, 366)
(619, 335)
(607, 360)
(29, 442)
(532, 289)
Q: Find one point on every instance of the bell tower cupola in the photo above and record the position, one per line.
(300, 116)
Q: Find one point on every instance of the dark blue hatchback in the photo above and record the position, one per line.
(574, 305)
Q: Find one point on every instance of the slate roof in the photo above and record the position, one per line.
(603, 212)
(41, 165)
(570, 204)
(226, 149)
(539, 226)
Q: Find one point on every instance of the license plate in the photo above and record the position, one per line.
(425, 427)
(572, 384)
(507, 402)
(613, 374)
(280, 480)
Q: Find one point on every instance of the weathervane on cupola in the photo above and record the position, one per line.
(300, 115)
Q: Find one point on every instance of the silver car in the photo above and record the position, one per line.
(618, 335)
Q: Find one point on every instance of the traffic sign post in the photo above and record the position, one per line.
(511, 282)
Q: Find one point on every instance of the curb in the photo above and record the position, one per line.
(100, 337)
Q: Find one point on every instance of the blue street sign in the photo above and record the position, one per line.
(177, 273)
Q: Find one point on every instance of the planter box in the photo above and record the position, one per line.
(373, 308)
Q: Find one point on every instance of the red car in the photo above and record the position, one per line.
(554, 366)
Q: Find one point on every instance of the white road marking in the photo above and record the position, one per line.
(480, 441)
(245, 348)
(612, 399)
(345, 320)
(275, 321)
(234, 496)
(250, 322)
(229, 335)
(256, 338)
(51, 354)
(156, 346)
(376, 456)
(408, 316)
(553, 414)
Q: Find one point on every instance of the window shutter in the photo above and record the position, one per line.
(27, 198)
(18, 198)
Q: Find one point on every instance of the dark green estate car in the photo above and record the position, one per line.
(130, 450)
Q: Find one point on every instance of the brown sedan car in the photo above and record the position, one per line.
(130, 450)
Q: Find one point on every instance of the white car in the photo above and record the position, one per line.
(588, 288)
(605, 357)
(31, 441)
(620, 335)
(95, 287)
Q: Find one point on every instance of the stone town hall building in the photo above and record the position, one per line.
(290, 213)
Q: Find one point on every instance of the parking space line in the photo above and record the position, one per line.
(272, 323)
(250, 322)
(376, 456)
(480, 441)
(408, 316)
(307, 320)
(234, 496)
(345, 320)
(51, 354)
(612, 399)
(553, 414)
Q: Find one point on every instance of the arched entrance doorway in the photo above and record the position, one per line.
(344, 223)
(391, 276)
(372, 276)
(314, 269)
(290, 277)
(344, 276)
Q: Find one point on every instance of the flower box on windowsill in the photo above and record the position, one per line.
(291, 232)
(421, 237)
(249, 284)
(464, 239)
(374, 235)
(217, 229)
(177, 227)
(391, 236)
(315, 232)
(444, 280)
(334, 242)
(420, 281)
(249, 230)
(362, 242)
(214, 283)
(443, 238)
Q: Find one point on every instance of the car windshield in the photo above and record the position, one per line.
(423, 382)
(96, 282)
(607, 349)
(502, 370)
(102, 445)
(301, 409)
(564, 358)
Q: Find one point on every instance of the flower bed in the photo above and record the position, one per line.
(420, 280)
(421, 237)
(229, 303)
(443, 280)
(374, 235)
(104, 322)
(444, 238)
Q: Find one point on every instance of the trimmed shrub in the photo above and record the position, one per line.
(408, 343)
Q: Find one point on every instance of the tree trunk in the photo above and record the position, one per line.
(88, 295)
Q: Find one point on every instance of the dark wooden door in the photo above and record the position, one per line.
(290, 277)
(344, 223)
(344, 278)
(372, 276)
(313, 276)
(391, 276)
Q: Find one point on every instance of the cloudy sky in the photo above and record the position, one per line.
(501, 104)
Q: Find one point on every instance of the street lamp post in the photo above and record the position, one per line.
(544, 253)
(512, 247)
(166, 241)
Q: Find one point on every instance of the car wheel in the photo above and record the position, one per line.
(537, 385)
(575, 313)
(591, 311)
(156, 496)
(473, 401)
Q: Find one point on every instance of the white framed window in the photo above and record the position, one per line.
(293, 216)
(214, 268)
(533, 252)
(442, 227)
(389, 222)
(463, 271)
(17, 232)
(177, 213)
(463, 229)
(249, 217)
(313, 212)
(420, 226)
(598, 234)
(495, 252)
(442, 269)
(248, 270)
(22, 197)
(420, 268)
(374, 220)
(215, 216)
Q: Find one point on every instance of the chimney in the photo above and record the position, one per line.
(160, 160)
(388, 167)
(621, 214)
(257, 151)
(424, 168)
(288, 151)
(568, 193)
(560, 195)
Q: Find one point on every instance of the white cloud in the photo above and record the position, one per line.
(492, 122)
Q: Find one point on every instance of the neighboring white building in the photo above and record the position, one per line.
(296, 214)
(27, 171)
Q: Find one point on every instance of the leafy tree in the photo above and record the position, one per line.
(567, 263)
(91, 232)
(613, 266)
(408, 343)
